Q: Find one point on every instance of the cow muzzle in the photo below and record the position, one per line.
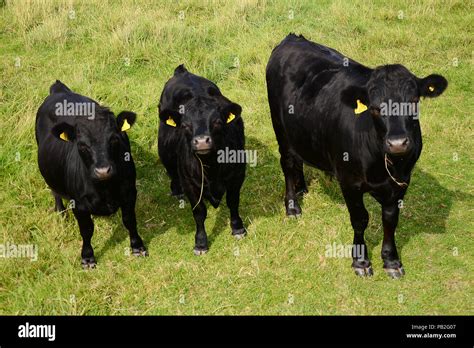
(103, 173)
(397, 146)
(202, 144)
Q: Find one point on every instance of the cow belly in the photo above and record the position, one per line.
(105, 209)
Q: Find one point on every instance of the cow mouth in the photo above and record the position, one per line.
(202, 152)
(102, 180)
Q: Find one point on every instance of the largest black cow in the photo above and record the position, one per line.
(84, 156)
(359, 124)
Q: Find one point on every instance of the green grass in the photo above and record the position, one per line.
(280, 268)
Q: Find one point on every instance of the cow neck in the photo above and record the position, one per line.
(388, 165)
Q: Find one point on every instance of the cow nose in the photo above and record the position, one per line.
(103, 172)
(398, 146)
(202, 143)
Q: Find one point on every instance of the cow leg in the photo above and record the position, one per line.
(300, 186)
(232, 200)
(391, 261)
(359, 221)
(171, 165)
(58, 202)
(200, 214)
(287, 162)
(130, 222)
(86, 227)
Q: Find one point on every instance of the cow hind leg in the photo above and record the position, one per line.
(58, 203)
(300, 185)
(289, 166)
(359, 221)
(232, 200)
(171, 165)
(130, 222)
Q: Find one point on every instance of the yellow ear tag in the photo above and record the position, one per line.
(230, 118)
(170, 122)
(125, 125)
(431, 88)
(63, 136)
(360, 107)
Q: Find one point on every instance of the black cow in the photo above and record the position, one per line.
(84, 156)
(197, 123)
(330, 112)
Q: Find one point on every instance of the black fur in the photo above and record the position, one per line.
(69, 167)
(313, 91)
(199, 109)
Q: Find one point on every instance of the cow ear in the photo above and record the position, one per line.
(170, 117)
(125, 120)
(232, 112)
(64, 132)
(356, 98)
(432, 86)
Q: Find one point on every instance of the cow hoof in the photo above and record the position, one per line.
(139, 251)
(395, 273)
(88, 263)
(293, 214)
(302, 191)
(239, 233)
(198, 251)
(364, 272)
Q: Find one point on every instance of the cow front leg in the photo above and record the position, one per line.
(130, 222)
(359, 221)
(86, 227)
(236, 224)
(200, 214)
(391, 261)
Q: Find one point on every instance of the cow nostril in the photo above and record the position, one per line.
(208, 140)
(103, 171)
(405, 141)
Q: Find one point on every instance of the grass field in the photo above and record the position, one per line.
(122, 53)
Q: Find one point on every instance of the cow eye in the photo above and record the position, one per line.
(82, 147)
(217, 123)
(114, 141)
(186, 127)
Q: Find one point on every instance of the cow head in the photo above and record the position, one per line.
(200, 115)
(391, 96)
(99, 141)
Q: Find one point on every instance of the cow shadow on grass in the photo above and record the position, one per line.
(261, 193)
(158, 212)
(426, 208)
